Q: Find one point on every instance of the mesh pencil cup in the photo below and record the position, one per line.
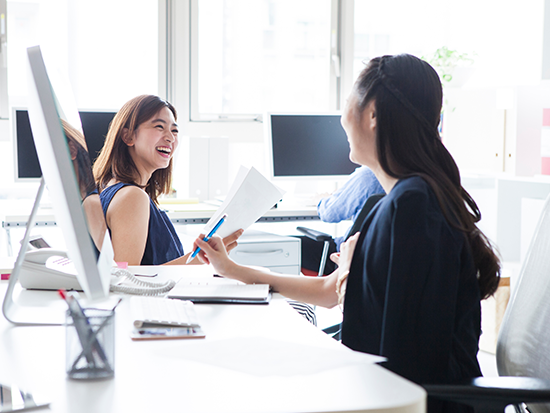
(90, 344)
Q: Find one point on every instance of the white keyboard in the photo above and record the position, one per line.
(163, 311)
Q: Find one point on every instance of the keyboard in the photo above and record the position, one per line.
(163, 312)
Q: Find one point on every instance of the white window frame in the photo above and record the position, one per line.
(178, 66)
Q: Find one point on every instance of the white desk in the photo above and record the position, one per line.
(175, 376)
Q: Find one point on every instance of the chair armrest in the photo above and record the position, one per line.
(493, 393)
(314, 235)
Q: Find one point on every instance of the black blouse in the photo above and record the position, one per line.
(412, 293)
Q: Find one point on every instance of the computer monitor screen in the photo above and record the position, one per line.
(66, 168)
(307, 146)
(95, 125)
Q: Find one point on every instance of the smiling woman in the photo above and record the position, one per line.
(132, 170)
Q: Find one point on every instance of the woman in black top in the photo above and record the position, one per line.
(411, 281)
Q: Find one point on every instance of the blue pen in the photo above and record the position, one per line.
(205, 239)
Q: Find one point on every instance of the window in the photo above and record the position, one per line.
(482, 29)
(108, 49)
(496, 61)
(260, 55)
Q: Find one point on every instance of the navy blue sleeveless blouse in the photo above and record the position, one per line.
(163, 243)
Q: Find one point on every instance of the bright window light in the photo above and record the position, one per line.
(108, 49)
(503, 37)
(256, 56)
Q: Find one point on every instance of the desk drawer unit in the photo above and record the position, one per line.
(276, 252)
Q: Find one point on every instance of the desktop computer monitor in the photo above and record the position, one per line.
(95, 125)
(311, 146)
(66, 168)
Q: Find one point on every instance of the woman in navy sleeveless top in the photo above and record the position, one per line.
(163, 244)
(411, 281)
(133, 169)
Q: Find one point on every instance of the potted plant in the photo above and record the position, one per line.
(454, 68)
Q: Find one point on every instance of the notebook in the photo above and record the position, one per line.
(213, 292)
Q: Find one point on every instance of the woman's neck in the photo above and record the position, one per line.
(137, 181)
(142, 177)
(387, 182)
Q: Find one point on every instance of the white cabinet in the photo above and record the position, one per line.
(278, 253)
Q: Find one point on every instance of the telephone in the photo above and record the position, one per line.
(50, 269)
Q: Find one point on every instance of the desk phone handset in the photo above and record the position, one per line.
(50, 269)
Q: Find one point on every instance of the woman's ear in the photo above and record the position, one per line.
(369, 116)
(127, 138)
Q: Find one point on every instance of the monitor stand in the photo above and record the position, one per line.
(31, 307)
(14, 399)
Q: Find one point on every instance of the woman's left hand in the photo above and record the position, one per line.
(230, 241)
(344, 263)
(346, 253)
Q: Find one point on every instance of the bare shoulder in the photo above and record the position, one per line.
(130, 198)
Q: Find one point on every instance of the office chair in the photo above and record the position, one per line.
(325, 238)
(334, 331)
(523, 345)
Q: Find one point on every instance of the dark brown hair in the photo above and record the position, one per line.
(408, 99)
(114, 160)
(80, 157)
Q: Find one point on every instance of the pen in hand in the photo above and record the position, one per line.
(205, 239)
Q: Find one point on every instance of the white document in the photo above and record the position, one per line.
(250, 196)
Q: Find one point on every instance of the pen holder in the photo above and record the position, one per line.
(90, 344)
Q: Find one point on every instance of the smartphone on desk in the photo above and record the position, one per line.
(166, 333)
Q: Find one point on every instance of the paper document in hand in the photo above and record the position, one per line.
(250, 196)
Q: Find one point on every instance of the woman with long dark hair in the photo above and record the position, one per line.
(411, 281)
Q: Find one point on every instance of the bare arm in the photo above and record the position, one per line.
(128, 219)
(95, 218)
(347, 249)
(315, 290)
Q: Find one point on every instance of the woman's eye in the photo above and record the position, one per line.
(159, 126)
(175, 131)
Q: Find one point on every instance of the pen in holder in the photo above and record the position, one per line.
(90, 343)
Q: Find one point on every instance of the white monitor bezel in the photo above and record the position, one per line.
(58, 172)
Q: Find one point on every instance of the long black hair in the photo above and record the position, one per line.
(408, 97)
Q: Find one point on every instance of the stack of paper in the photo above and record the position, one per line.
(250, 197)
